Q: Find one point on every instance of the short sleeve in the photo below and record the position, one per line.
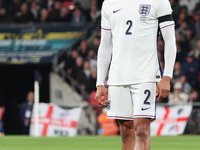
(164, 8)
(105, 23)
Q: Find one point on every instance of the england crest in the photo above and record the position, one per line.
(144, 9)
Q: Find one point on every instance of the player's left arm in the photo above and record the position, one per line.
(166, 24)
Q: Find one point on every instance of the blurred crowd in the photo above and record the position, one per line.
(186, 77)
(185, 85)
(41, 11)
(82, 63)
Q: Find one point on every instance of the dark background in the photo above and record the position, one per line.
(15, 82)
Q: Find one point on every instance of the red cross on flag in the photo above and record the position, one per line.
(171, 120)
(55, 121)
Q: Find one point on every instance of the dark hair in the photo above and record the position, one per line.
(184, 7)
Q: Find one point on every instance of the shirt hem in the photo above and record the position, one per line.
(130, 83)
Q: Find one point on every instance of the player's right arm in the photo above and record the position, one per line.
(104, 57)
(103, 62)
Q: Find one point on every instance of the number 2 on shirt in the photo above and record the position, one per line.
(148, 93)
(129, 23)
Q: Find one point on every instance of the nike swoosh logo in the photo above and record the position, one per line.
(145, 108)
(114, 11)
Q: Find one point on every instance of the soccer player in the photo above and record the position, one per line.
(129, 46)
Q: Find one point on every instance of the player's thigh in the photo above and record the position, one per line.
(144, 100)
(120, 104)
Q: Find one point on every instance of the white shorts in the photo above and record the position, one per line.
(127, 102)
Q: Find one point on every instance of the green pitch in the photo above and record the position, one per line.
(94, 143)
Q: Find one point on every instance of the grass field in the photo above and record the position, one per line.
(94, 143)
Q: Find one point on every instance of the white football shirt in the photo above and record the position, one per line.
(134, 28)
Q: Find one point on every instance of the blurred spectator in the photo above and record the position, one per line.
(78, 17)
(24, 15)
(194, 96)
(26, 113)
(77, 5)
(190, 69)
(91, 82)
(91, 55)
(55, 13)
(181, 18)
(178, 74)
(108, 126)
(86, 69)
(181, 53)
(14, 7)
(4, 17)
(196, 25)
(50, 4)
(71, 61)
(40, 3)
(96, 43)
(77, 67)
(190, 4)
(83, 4)
(182, 28)
(63, 15)
(179, 40)
(35, 10)
(197, 50)
(178, 96)
(92, 58)
(94, 15)
(83, 50)
(93, 2)
(43, 16)
(188, 39)
(84, 74)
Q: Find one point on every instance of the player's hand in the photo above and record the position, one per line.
(163, 88)
(101, 95)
